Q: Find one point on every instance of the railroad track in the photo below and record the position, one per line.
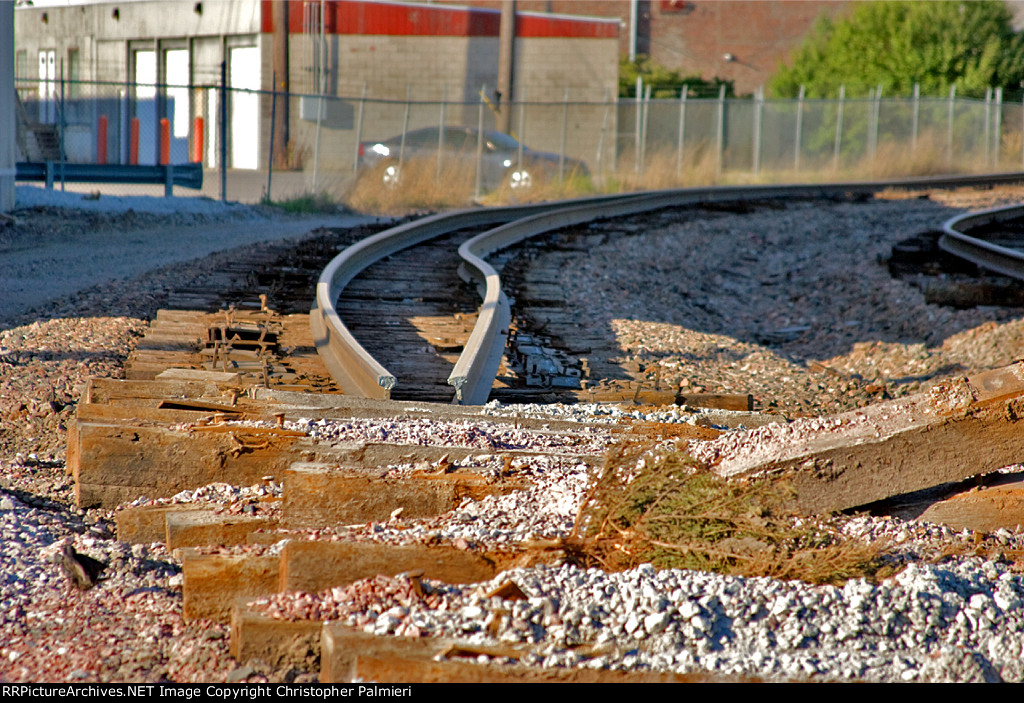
(987, 239)
(386, 366)
(230, 415)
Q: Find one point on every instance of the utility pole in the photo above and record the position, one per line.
(279, 15)
(506, 59)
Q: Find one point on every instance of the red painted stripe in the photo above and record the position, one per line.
(535, 25)
(376, 18)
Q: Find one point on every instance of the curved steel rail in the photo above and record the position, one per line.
(358, 373)
(1009, 262)
(351, 366)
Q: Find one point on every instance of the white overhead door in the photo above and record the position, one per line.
(145, 104)
(244, 72)
(176, 67)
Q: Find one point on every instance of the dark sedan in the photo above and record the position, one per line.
(501, 162)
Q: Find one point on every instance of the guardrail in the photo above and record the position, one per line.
(357, 372)
(186, 175)
(1009, 262)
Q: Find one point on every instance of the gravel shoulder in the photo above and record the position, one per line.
(56, 255)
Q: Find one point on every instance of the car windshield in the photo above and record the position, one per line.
(500, 142)
(455, 138)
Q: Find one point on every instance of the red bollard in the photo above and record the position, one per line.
(133, 141)
(165, 141)
(197, 140)
(101, 140)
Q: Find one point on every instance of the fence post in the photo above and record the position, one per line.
(405, 130)
(359, 128)
(223, 141)
(322, 76)
(682, 130)
(758, 116)
(875, 105)
(600, 139)
(273, 125)
(643, 129)
(878, 113)
(917, 115)
(988, 127)
(565, 130)
(636, 124)
(521, 129)
(168, 180)
(839, 128)
(949, 135)
(720, 132)
(440, 134)
(62, 106)
(799, 129)
(316, 139)
(997, 139)
(478, 186)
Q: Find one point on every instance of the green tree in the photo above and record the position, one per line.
(664, 82)
(896, 44)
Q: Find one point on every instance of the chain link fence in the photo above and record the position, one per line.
(227, 135)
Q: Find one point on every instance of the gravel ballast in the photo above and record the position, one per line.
(804, 265)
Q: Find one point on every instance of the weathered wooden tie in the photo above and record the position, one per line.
(961, 428)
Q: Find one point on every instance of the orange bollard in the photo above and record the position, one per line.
(165, 141)
(197, 140)
(133, 141)
(101, 140)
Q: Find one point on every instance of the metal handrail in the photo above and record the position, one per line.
(187, 175)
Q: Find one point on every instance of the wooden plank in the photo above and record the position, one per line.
(279, 643)
(316, 565)
(981, 509)
(320, 494)
(955, 431)
(117, 462)
(348, 655)
(206, 528)
(213, 583)
(147, 524)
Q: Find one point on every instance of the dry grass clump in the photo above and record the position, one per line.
(419, 187)
(669, 511)
(899, 159)
(661, 171)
